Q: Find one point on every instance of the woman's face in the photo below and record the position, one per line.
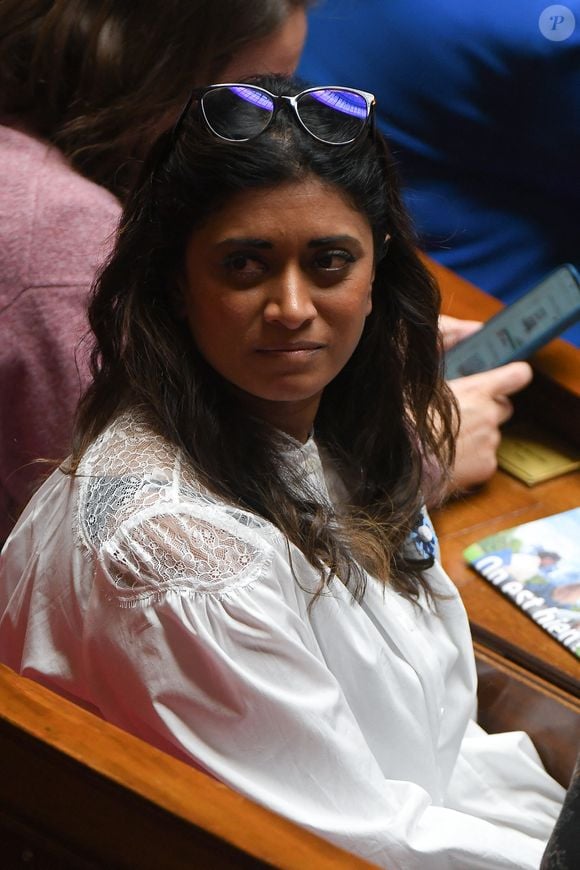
(277, 287)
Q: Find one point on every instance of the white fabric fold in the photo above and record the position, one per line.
(183, 620)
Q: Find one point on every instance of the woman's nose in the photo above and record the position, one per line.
(290, 300)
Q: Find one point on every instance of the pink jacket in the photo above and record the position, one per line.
(55, 229)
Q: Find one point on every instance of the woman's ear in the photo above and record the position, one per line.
(369, 307)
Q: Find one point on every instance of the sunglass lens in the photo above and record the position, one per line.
(334, 116)
(237, 112)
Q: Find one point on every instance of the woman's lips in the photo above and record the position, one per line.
(299, 352)
(297, 347)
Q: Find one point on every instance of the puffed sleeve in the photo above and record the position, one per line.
(198, 641)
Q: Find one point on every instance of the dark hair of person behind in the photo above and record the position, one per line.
(98, 79)
(383, 413)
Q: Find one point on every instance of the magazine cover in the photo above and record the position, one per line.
(537, 565)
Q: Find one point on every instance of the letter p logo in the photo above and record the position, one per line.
(557, 23)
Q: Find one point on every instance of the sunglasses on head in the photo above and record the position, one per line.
(240, 112)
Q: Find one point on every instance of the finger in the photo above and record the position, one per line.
(454, 330)
(505, 409)
(503, 381)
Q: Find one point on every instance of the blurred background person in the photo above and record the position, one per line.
(481, 103)
(84, 89)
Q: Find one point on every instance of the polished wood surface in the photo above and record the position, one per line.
(496, 620)
(512, 698)
(504, 502)
(527, 680)
(77, 792)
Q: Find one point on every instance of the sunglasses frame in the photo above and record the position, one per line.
(199, 93)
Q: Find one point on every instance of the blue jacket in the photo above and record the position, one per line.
(481, 102)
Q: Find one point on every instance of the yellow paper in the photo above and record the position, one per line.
(533, 456)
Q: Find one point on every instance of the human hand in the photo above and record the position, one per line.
(454, 330)
(484, 405)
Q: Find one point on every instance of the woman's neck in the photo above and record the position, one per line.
(294, 418)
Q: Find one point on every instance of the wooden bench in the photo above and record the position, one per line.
(77, 792)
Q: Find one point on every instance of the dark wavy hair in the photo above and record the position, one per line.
(98, 78)
(383, 414)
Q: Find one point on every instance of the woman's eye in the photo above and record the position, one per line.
(333, 261)
(244, 265)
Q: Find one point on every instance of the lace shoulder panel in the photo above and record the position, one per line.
(184, 550)
(129, 468)
(144, 515)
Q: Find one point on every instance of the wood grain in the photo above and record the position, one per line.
(511, 698)
(553, 402)
(78, 791)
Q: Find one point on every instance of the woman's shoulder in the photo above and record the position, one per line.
(154, 528)
(139, 497)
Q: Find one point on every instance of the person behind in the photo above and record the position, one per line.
(482, 104)
(235, 563)
(85, 88)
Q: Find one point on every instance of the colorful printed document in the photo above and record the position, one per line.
(537, 565)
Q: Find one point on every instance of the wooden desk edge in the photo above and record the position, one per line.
(534, 681)
(123, 760)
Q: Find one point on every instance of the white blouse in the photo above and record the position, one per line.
(185, 620)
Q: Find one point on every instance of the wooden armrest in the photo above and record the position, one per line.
(84, 792)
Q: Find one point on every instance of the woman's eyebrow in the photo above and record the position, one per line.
(245, 242)
(333, 240)
(250, 242)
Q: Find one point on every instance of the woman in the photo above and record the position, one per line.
(85, 88)
(235, 564)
